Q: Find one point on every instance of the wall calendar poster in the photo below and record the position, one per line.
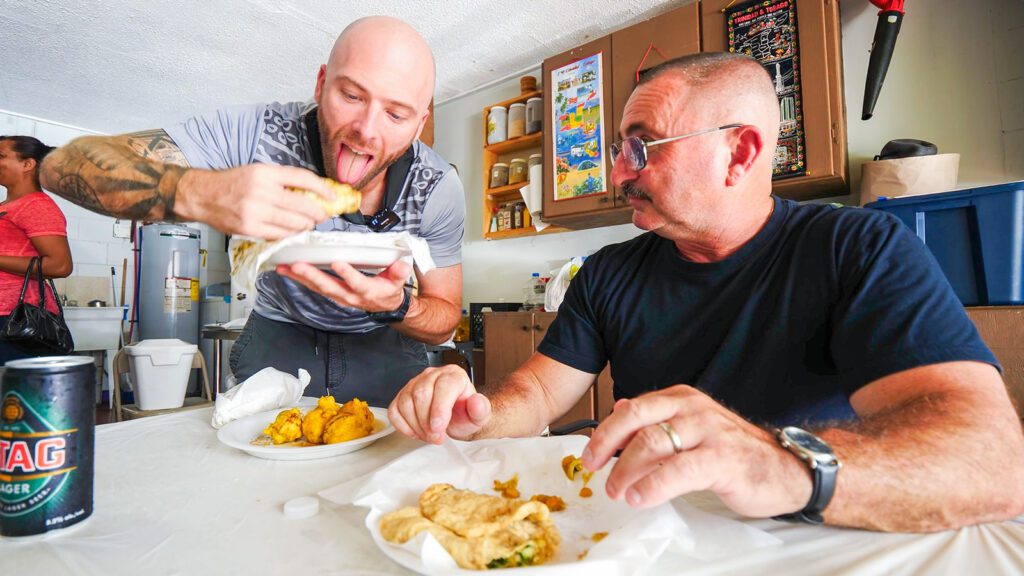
(579, 129)
(767, 31)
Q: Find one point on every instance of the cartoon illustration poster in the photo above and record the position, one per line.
(767, 31)
(579, 130)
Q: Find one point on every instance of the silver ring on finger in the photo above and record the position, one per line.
(673, 436)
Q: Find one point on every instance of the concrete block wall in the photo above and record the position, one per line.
(94, 246)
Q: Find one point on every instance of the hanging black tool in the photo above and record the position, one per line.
(888, 28)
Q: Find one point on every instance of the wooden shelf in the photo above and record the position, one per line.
(521, 232)
(521, 98)
(528, 141)
(500, 152)
(508, 190)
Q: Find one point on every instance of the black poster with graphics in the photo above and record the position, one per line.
(766, 30)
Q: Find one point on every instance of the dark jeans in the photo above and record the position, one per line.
(372, 366)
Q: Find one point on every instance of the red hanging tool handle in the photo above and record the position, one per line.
(889, 5)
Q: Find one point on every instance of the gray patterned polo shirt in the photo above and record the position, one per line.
(431, 205)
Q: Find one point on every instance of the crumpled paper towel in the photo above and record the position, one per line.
(636, 538)
(265, 390)
(250, 256)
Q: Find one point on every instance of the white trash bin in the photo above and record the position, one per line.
(161, 369)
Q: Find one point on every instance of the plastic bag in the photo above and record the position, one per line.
(555, 291)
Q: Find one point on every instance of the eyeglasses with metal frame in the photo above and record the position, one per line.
(635, 147)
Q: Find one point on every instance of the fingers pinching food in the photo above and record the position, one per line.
(346, 198)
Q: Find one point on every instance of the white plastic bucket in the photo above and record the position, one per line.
(160, 369)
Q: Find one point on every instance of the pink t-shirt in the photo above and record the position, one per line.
(23, 219)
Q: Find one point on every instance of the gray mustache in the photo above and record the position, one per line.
(633, 191)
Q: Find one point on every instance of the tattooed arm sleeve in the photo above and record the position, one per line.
(133, 176)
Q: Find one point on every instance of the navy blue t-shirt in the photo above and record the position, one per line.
(822, 301)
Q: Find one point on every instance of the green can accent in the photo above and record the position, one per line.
(46, 444)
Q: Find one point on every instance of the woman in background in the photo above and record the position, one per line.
(31, 224)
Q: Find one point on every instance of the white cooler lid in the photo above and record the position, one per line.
(162, 352)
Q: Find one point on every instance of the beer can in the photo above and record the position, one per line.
(46, 444)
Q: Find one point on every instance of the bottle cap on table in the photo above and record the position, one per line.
(302, 507)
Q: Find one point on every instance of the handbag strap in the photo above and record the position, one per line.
(28, 277)
(42, 286)
(53, 287)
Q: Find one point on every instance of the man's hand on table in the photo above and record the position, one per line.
(381, 293)
(439, 401)
(720, 451)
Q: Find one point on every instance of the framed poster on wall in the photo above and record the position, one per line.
(766, 30)
(579, 129)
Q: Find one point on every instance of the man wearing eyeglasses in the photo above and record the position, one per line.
(357, 335)
(805, 362)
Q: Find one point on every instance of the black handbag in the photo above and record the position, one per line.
(35, 328)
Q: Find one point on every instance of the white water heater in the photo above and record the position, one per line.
(169, 282)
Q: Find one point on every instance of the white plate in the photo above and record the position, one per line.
(361, 257)
(240, 434)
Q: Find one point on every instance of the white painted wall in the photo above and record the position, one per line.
(957, 79)
(94, 249)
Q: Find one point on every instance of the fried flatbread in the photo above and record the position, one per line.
(346, 198)
(479, 531)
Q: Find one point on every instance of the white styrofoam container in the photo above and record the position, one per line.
(160, 368)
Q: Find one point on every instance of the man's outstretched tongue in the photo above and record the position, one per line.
(351, 165)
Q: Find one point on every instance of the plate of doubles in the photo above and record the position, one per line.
(244, 434)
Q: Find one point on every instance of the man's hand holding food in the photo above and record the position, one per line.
(255, 200)
(678, 440)
(672, 442)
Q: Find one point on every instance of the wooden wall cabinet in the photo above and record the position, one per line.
(695, 27)
(824, 107)
(638, 47)
(512, 337)
(591, 210)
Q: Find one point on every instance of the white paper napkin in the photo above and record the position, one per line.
(532, 194)
(265, 390)
(636, 538)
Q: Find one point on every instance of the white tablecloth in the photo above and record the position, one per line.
(170, 499)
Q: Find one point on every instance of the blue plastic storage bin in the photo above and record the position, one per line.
(977, 236)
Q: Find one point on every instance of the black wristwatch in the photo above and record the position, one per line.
(823, 464)
(397, 315)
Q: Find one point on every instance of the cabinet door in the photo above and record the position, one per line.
(824, 112)
(1000, 327)
(509, 338)
(427, 135)
(643, 46)
(581, 134)
(603, 395)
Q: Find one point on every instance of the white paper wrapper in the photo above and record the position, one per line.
(265, 390)
(532, 194)
(250, 257)
(636, 538)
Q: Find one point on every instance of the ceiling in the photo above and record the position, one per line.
(123, 65)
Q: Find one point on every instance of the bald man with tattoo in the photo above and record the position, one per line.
(804, 362)
(358, 335)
